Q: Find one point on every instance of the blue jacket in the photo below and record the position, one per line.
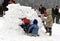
(34, 27)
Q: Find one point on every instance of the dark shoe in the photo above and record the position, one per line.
(50, 34)
(37, 35)
(34, 35)
(47, 30)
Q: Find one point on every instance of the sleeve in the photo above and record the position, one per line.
(30, 28)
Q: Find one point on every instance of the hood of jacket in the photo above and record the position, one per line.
(35, 21)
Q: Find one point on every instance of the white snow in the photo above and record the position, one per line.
(11, 31)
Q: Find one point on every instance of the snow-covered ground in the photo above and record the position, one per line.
(11, 31)
(16, 34)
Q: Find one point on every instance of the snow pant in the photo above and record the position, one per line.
(53, 17)
(34, 31)
(1, 14)
(57, 18)
(48, 29)
(25, 27)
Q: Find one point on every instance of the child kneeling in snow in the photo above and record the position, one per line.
(26, 24)
(33, 29)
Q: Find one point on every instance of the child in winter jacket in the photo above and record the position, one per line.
(26, 24)
(34, 28)
(49, 22)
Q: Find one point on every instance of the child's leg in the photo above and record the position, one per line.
(47, 29)
(50, 32)
(26, 28)
(35, 31)
(22, 25)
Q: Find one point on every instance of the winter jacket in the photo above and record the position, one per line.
(26, 21)
(5, 3)
(34, 28)
(49, 20)
(53, 11)
(42, 10)
(56, 11)
(1, 8)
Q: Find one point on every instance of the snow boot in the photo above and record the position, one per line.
(46, 30)
(50, 32)
(35, 35)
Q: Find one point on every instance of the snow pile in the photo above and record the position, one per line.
(16, 12)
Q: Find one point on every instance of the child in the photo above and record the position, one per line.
(26, 24)
(49, 22)
(34, 28)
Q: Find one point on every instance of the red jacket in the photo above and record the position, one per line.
(26, 21)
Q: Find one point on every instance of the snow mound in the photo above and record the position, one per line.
(16, 12)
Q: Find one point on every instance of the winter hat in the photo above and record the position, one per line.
(35, 21)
